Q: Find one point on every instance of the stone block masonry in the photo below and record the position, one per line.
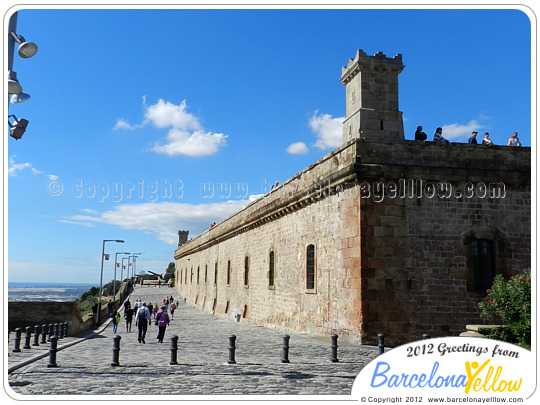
(382, 235)
(391, 225)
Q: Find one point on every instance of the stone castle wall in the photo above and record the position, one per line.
(416, 256)
(400, 265)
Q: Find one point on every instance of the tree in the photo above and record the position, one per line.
(171, 268)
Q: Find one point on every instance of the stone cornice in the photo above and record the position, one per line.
(329, 175)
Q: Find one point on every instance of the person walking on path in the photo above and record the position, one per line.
(162, 321)
(128, 314)
(141, 321)
(173, 307)
(110, 308)
(115, 320)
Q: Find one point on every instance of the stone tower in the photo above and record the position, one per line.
(372, 109)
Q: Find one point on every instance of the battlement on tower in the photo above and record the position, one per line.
(363, 61)
(372, 108)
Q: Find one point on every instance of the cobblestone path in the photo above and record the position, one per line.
(85, 367)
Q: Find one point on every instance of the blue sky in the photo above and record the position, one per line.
(132, 111)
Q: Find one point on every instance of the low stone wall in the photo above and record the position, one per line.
(30, 313)
(22, 314)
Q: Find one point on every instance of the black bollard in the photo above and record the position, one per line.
(66, 326)
(52, 351)
(36, 335)
(27, 337)
(426, 336)
(51, 331)
(285, 355)
(381, 342)
(17, 341)
(232, 348)
(334, 358)
(61, 330)
(116, 350)
(174, 350)
(57, 330)
(44, 331)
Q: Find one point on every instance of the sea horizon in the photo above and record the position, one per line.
(46, 291)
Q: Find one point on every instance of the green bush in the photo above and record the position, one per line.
(510, 302)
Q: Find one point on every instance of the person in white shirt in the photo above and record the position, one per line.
(141, 321)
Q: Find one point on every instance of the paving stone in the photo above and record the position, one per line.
(85, 367)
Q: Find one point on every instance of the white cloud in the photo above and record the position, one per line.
(166, 114)
(327, 129)
(186, 136)
(163, 219)
(297, 148)
(454, 131)
(123, 124)
(15, 168)
(196, 144)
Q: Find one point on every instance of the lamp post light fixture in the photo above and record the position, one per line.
(15, 91)
(18, 127)
(115, 265)
(101, 279)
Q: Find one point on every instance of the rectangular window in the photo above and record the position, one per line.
(271, 269)
(483, 253)
(215, 274)
(206, 274)
(229, 272)
(246, 271)
(310, 267)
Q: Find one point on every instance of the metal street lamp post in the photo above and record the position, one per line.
(134, 256)
(122, 269)
(101, 279)
(115, 265)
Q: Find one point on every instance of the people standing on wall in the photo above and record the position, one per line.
(162, 321)
(472, 139)
(514, 140)
(486, 140)
(128, 314)
(438, 138)
(141, 321)
(419, 135)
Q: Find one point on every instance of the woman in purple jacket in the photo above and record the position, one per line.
(162, 320)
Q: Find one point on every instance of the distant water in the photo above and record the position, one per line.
(46, 292)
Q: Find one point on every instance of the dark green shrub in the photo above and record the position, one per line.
(510, 302)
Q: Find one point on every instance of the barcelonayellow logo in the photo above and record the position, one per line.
(448, 370)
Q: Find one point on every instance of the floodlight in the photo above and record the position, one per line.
(18, 127)
(19, 98)
(13, 83)
(26, 49)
